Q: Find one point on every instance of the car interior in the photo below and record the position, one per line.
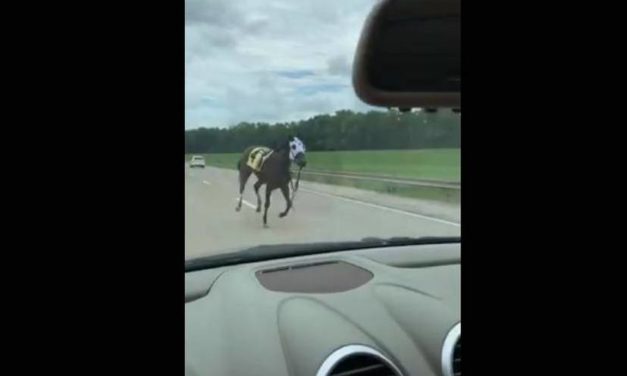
(375, 307)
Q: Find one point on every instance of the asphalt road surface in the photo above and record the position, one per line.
(322, 213)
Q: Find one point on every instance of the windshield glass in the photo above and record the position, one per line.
(269, 101)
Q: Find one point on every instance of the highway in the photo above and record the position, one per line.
(322, 213)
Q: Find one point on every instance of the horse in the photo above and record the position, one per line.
(274, 172)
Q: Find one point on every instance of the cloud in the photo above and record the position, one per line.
(218, 13)
(339, 65)
(269, 60)
(321, 88)
(296, 73)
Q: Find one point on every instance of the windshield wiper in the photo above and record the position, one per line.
(271, 252)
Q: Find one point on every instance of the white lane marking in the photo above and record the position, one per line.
(393, 210)
(206, 182)
(246, 203)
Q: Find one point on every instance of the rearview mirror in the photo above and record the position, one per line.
(409, 55)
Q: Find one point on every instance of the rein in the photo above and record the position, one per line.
(295, 187)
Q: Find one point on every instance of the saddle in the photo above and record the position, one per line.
(257, 157)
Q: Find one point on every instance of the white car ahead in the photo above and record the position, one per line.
(197, 161)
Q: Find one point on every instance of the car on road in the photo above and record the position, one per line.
(197, 161)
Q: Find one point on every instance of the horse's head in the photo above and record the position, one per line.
(297, 152)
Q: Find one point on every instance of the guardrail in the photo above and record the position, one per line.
(386, 179)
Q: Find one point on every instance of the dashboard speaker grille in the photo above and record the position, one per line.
(319, 277)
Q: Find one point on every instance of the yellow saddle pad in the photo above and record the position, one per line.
(257, 157)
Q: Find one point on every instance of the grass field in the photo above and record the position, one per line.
(427, 193)
(430, 164)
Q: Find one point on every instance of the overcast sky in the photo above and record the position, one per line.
(269, 60)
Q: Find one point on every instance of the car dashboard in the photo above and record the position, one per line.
(378, 311)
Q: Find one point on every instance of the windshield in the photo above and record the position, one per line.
(292, 155)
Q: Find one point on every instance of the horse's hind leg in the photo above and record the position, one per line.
(286, 193)
(258, 185)
(244, 174)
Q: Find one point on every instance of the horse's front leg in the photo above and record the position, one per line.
(286, 194)
(267, 205)
(258, 185)
(243, 178)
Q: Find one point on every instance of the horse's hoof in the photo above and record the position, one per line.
(258, 210)
(281, 215)
(238, 208)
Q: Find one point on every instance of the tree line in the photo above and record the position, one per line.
(343, 130)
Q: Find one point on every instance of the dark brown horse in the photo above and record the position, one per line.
(275, 173)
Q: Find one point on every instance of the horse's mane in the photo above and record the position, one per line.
(283, 146)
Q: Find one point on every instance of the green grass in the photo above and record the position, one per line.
(430, 164)
(427, 193)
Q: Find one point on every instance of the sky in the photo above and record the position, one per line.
(269, 60)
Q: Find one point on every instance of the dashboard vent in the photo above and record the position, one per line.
(357, 360)
(457, 358)
(452, 352)
(361, 365)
